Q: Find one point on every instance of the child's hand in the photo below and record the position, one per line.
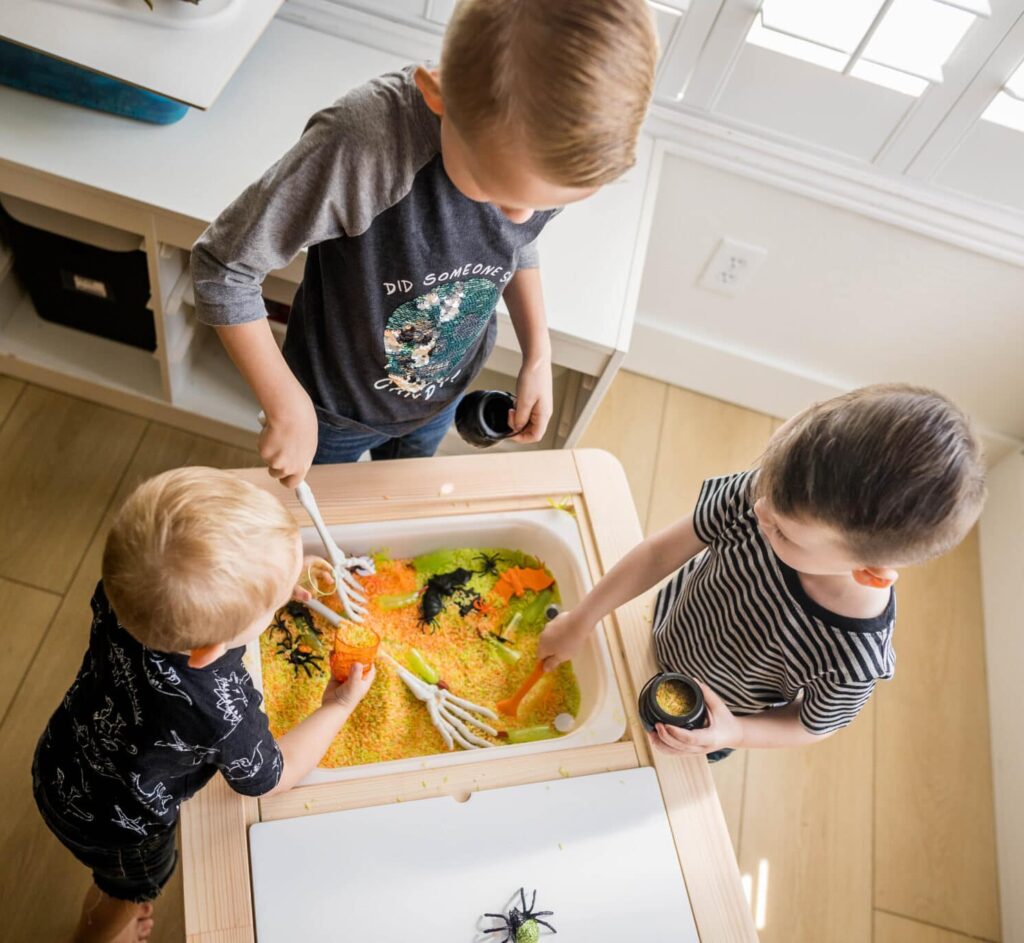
(320, 570)
(724, 729)
(349, 694)
(561, 640)
(533, 402)
(288, 440)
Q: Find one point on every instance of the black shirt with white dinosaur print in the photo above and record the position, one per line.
(138, 732)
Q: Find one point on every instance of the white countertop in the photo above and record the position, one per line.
(194, 168)
(180, 50)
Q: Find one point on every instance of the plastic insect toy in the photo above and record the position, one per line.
(302, 657)
(447, 583)
(437, 589)
(483, 607)
(488, 563)
(304, 625)
(522, 926)
(468, 602)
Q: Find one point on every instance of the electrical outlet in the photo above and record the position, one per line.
(731, 268)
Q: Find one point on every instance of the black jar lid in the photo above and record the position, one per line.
(649, 696)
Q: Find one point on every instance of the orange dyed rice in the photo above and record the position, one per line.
(391, 723)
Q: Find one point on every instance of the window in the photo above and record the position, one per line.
(1007, 107)
(901, 44)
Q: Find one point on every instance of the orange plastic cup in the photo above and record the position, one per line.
(353, 643)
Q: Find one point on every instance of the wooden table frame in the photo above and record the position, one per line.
(214, 824)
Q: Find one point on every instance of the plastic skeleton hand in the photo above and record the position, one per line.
(448, 713)
(349, 590)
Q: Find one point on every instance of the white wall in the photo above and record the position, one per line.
(841, 300)
(1002, 568)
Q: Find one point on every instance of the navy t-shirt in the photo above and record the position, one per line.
(138, 732)
(395, 314)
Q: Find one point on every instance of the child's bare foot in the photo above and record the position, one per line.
(107, 919)
(139, 927)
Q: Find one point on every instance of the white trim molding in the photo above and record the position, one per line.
(748, 378)
(899, 201)
(756, 153)
(420, 43)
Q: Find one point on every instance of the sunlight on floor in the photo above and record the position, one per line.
(757, 896)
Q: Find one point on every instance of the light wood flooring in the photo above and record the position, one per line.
(882, 833)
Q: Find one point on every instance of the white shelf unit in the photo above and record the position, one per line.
(190, 381)
(164, 185)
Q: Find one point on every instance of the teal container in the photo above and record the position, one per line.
(32, 71)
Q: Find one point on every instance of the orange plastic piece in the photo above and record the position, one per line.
(516, 580)
(510, 706)
(484, 608)
(353, 643)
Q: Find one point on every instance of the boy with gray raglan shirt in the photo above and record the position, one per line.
(395, 313)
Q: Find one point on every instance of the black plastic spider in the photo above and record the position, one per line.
(302, 657)
(301, 617)
(302, 621)
(466, 600)
(488, 563)
(521, 926)
(438, 588)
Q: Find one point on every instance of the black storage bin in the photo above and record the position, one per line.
(99, 290)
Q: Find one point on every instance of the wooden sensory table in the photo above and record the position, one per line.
(214, 824)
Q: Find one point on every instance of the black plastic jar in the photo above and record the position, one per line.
(657, 699)
(482, 417)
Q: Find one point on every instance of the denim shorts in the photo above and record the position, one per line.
(346, 440)
(136, 873)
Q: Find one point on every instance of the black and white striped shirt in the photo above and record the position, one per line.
(737, 617)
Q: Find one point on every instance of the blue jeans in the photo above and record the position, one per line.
(338, 444)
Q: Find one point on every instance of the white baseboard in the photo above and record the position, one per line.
(1002, 571)
(746, 378)
(738, 377)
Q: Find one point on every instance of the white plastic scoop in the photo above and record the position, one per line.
(349, 590)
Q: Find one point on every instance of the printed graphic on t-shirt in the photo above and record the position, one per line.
(427, 339)
(139, 731)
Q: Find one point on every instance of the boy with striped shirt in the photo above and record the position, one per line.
(783, 605)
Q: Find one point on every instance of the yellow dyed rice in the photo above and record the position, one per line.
(391, 723)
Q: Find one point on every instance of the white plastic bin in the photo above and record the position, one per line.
(550, 535)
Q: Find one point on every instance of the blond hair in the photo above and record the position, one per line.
(897, 470)
(573, 76)
(194, 556)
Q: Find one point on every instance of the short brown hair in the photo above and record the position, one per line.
(574, 76)
(194, 556)
(896, 469)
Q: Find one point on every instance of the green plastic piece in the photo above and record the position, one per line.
(528, 932)
(437, 561)
(508, 655)
(534, 612)
(510, 628)
(398, 602)
(418, 664)
(530, 734)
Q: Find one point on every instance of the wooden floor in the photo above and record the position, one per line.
(882, 833)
